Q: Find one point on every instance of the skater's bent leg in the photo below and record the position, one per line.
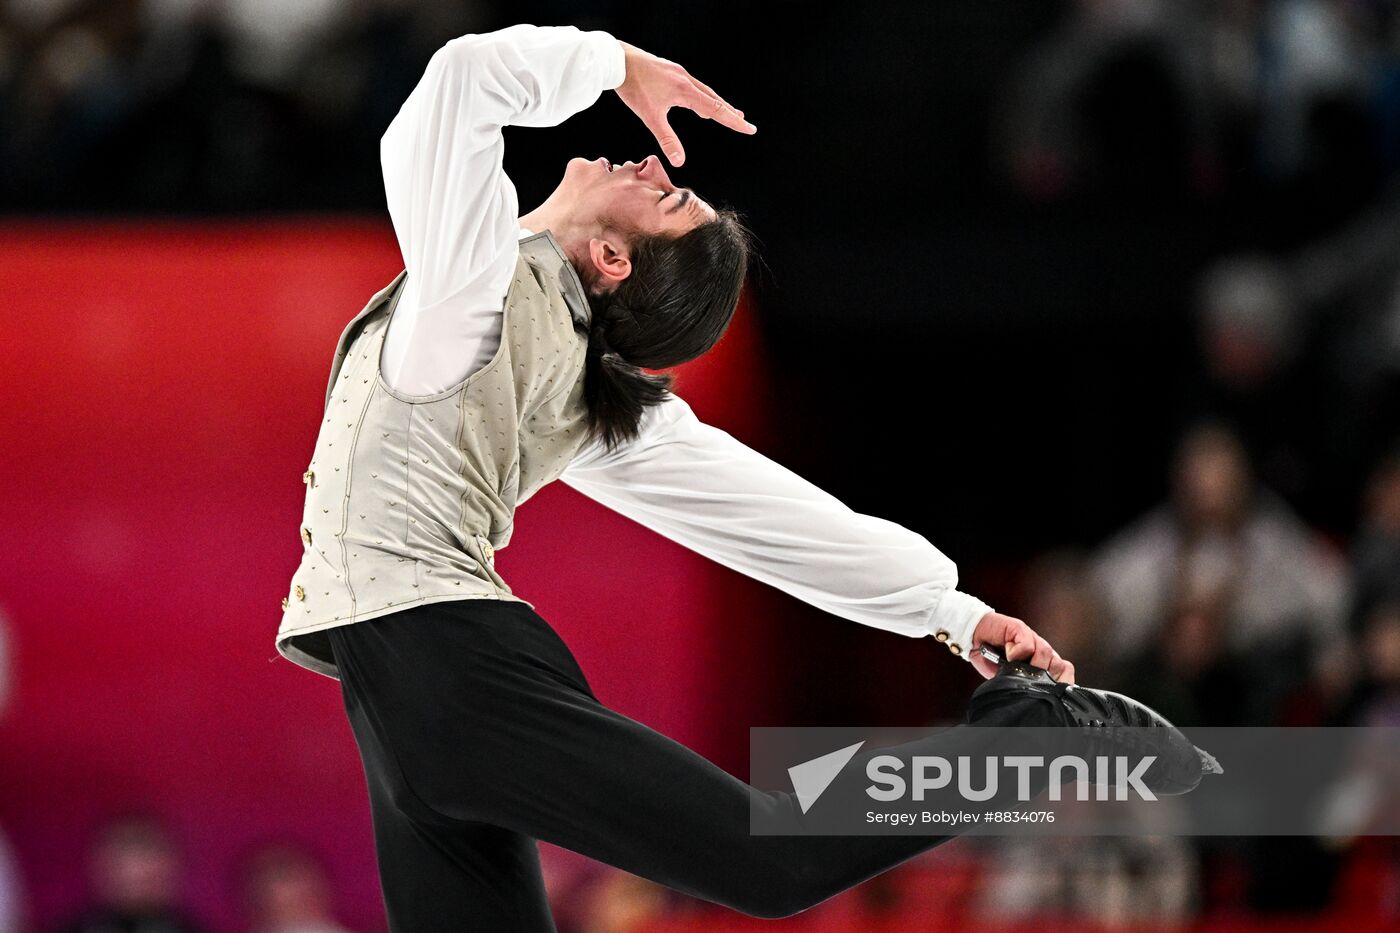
(439, 874)
(491, 721)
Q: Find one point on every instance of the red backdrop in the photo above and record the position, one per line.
(158, 403)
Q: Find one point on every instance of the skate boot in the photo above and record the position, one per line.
(1108, 724)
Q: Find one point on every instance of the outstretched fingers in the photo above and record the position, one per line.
(711, 106)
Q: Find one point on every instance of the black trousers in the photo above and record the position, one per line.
(479, 735)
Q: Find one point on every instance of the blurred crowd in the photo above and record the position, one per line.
(193, 105)
(1157, 99)
(197, 105)
(136, 881)
(1284, 118)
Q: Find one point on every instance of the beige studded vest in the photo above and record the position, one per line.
(408, 497)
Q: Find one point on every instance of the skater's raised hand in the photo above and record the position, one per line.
(654, 85)
(1017, 642)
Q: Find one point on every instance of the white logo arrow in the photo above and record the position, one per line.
(811, 778)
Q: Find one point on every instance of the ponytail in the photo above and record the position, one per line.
(616, 391)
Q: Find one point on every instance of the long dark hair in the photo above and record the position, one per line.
(673, 306)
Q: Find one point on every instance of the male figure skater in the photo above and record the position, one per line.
(509, 353)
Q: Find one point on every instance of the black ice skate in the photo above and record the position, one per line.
(1110, 724)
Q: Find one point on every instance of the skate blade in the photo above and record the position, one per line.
(1208, 763)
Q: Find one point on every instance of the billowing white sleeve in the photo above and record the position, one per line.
(697, 485)
(454, 211)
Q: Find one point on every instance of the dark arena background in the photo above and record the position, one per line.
(1101, 297)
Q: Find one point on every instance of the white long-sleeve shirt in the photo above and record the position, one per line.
(456, 217)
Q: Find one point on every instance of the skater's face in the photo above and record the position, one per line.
(634, 197)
